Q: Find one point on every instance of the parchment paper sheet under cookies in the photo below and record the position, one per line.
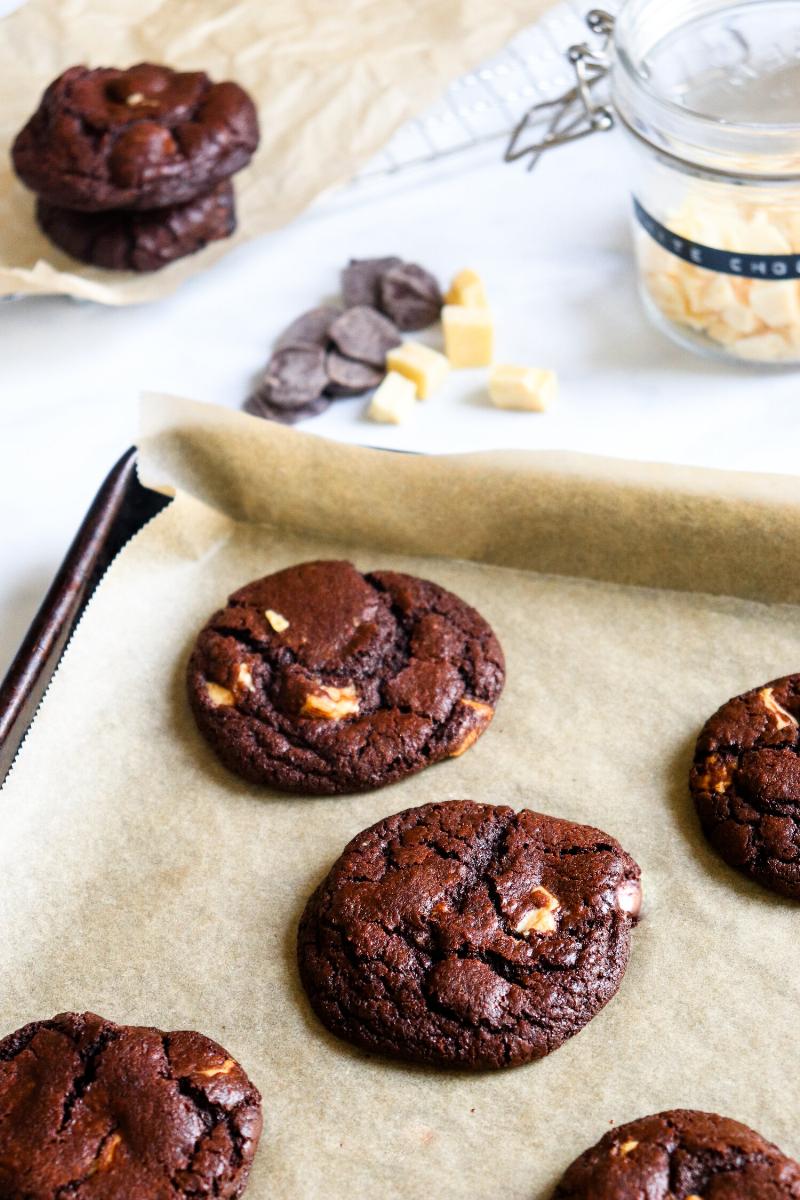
(141, 880)
(332, 81)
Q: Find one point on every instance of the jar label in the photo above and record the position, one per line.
(728, 262)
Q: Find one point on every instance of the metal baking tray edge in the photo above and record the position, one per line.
(120, 509)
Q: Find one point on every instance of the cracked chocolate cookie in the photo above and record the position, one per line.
(469, 935)
(682, 1155)
(93, 1109)
(146, 137)
(125, 240)
(746, 784)
(321, 680)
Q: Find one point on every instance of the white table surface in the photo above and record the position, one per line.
(554, 250)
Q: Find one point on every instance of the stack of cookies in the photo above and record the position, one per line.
(132, 169)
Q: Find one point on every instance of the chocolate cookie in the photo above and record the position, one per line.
(746, 784)
(468, 935)
(146, 137)
(681, 1155)
(93, 1109)
(321, 680)
(126, 240)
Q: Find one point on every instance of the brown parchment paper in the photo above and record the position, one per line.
(141, 880)
(332, 81)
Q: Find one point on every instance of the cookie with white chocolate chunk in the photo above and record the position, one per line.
(469, 935)
(745, 783)
(321, 680)
(681, 1155)
(119, 1112)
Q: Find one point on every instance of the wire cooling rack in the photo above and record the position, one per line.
(481, 108)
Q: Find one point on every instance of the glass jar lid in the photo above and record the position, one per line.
(714, 84)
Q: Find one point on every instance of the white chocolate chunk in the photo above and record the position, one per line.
(468, 336)
(394, 400)
(106, 1156)
(484, 713)
(528, 389)
(244, 677)
(220, 697)
(540, 919)
(741, 318)
(761, 236)
(278, 622)
(722, 333)
(783, 719)
(695, 287)
(213, 1072)
(667, 293)
(331, 703)
(467, 290)
(719, 294)
(427, 369)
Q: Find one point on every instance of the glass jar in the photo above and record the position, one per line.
(708, 92)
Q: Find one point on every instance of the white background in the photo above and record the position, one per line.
(554, 250)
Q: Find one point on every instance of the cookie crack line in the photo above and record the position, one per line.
(91, 1064)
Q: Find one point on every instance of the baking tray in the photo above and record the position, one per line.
(120, 508)
(143, 881)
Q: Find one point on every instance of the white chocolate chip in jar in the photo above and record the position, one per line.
(714, 775)
(394, 400)
(541, 918)
(750, 308)
(331, 703)
(467, 289)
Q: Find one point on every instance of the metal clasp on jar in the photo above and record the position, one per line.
(579, 112)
